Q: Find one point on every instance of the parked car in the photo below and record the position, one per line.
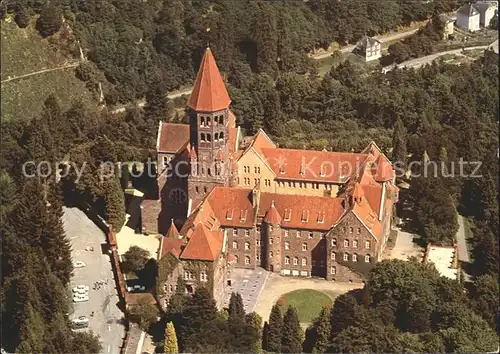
(139, 288)
(79, 264)
(80, 298)
(80, 322)
(81, 289)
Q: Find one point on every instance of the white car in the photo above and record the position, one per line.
(139, 287)
(81, 289)
(80, 298)
(79, 264)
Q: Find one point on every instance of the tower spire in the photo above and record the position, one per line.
(209, 91)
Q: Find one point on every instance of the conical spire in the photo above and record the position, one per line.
(272, 216)
(172, 233)
(209, 92)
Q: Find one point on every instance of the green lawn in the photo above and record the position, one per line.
(24, 51)
(308, 303)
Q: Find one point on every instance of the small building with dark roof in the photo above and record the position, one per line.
(368, 48)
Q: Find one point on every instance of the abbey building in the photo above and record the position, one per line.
(232, 201)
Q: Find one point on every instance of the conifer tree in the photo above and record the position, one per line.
(399, 151)
(255, 321)
(236, 309)
(265, 336)
(114, 201)
(274, 330)
(292, 335)
(170, 346)
(323, 328)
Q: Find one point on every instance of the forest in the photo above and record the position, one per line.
(439, 113)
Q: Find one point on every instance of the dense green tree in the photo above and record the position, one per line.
(274, 330)
(265, 35)
(135, 259)
(170, 346)
(323, 331)
(114, 202)
(144, 313)
(255, 321)
(399, 152)
(22, 17)
(292, 335)
(50, 20)
(236, 309)
(485, 296)
(343, 313)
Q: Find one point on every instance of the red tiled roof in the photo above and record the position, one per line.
(372, 149)
(231, 119)
(368, 217)
(308, 164)
(384, 171)
(209, 92)
(232, 138)
(358, 192)
(232, 206)
(373, 194)
(272, 215)
(204, 244)
(173, 137)
(171, 242)
(303, 212)
(261, 140)
(192, 153)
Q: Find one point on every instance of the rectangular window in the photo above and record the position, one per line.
(247, 233)
(355, 244)
(311, 235)
(235, 245)
(332, 256)
(287, 260)
(346, 257)
(286, 233)
(287, 245)
(346, 243)
(367, 245)
(367, 259)
(298, 234)
(257, 242)
(304, 247)
(235, 232)
(304, 262)
(333, 270)
(203, 276)
(295, 261)
(354, 258)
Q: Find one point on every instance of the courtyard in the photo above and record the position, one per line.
(276, 286)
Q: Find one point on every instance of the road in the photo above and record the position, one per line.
(170, 96)
(74, 65)
(418, 62)
(463, 254)
(107, 318)
(382, 39)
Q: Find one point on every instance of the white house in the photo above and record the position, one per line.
(369, 48)
(487, 10)
(448, 23)
(468, 18)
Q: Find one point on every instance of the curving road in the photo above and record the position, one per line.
(418, 62)
(170, 96)
(382, 39)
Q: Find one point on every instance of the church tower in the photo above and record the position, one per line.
(208, 110)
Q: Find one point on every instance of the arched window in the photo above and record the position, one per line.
(287, 260)
(346, 257)
(367, 258)
(235, 245)
(205, 189)
(247, 245)
(221, 119)
(334, 242)
(209, 121)
(304, 262)
(247, 260)
(221, 136)
(271, 254)
(367, 245)
(332, 256)
(351, 230)
(202, 137)
(304, 246)
(236, 259)
(178, 196)
(287, 245)
(202, 121)
(354, 257)
(209, 171)
(216, 136)
(209, 138)
(295, 260)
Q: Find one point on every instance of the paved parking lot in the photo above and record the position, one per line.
(107, 318)
(249, 283)
(405, 247)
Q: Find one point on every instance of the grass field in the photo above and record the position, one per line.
(24, 51)
(308, 303)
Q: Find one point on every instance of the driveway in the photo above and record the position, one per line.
(405, 247)
(277, 285)
(249, 283)
(106, 321)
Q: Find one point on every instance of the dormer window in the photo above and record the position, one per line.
(229, 214)
(321, 218)
(322, 171)
(302, 170)
(282, 170)
(243, 215)
(288, 214)
(305, 216)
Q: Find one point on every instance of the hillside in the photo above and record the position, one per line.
(24, 52)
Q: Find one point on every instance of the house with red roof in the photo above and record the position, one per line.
(232, 201)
